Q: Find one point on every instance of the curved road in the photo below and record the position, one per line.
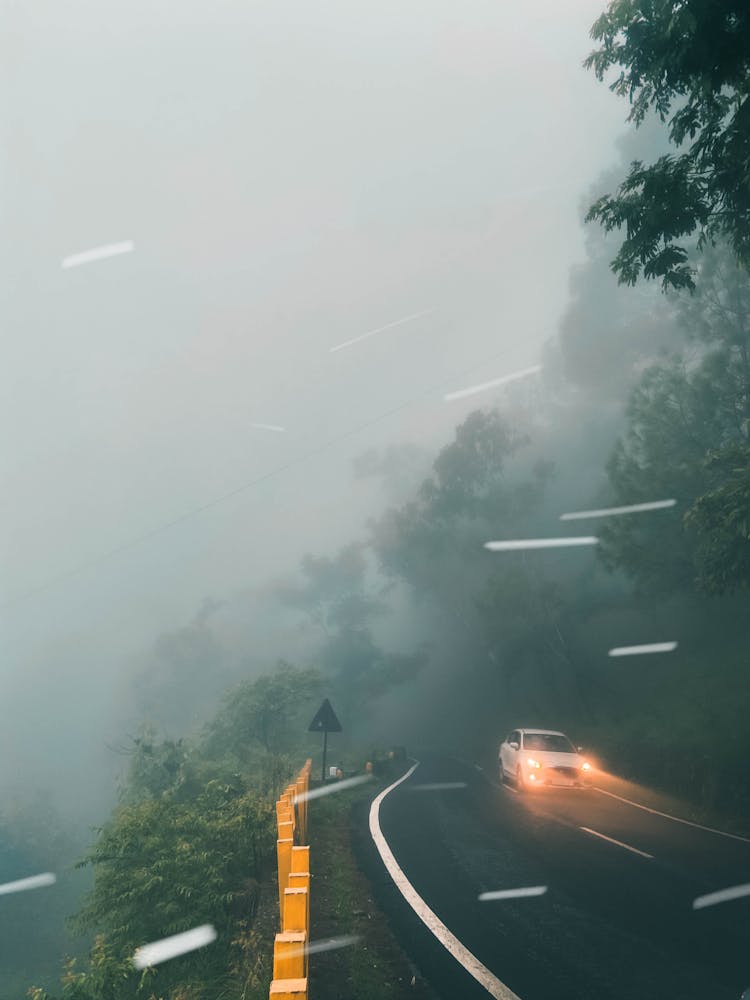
(616, 922)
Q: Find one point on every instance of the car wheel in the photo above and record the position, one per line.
(520, 783)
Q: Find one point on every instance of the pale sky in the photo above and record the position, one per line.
(292, 175)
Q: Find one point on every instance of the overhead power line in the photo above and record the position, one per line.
(256, 481)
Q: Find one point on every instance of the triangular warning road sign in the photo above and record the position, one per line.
(325, 720)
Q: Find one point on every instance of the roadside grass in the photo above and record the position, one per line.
(252, 963)
(376, 967)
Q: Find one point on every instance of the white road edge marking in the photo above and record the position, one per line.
(612, 840)
(430, 919)
(677, 819)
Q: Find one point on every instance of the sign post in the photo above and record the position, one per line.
(325, 722)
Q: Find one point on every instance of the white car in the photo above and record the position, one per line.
(533, 757)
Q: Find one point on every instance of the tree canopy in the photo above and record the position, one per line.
(689, 62)
(720, 521)
(512, 622)
(191, 842)
(267, 711)
(687, 438)
(338, 596)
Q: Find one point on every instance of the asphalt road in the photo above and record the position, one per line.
(613, 924)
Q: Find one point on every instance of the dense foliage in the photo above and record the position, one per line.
(524, 636)
(687, 439)
(267, 711)
(190, 844)
(337, 597)
(689, 62)
(512, 622)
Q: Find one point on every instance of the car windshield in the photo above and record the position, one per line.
(548, 741)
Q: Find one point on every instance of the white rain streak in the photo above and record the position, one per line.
(339, 786)
(483, 386)
(33, 882)
(438, 786)
(326, 944)
(268, 427)
(380, 329)
(171, 947)
(98, 253)
(633, 508)
(722, 896)
(518, 544)
(532, 890)
(649, 647)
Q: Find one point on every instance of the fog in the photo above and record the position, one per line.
(292, 177)
(239, 452)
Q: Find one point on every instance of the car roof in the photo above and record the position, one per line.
(543, 732)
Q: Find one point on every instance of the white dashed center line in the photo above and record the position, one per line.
(676, 819)
(611, 840)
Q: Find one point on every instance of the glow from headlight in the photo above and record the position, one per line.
(585, 766)
(533, 763)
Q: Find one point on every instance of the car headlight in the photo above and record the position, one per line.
(585, 766)
(533, 763)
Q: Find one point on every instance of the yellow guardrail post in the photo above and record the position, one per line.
(286, 830)
(288, 989)
(301, 880)
(290, 951)
(284, 863)
(284, 813)
(301, 804)
(300, 858)
(287, 802)
(290, 955)
(303, 787)
(295, 910)
(289, 795)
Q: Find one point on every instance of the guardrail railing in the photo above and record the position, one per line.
(290, 949)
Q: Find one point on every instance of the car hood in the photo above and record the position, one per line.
(551, 758)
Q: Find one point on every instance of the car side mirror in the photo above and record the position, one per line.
(579, 749)
(513, 745)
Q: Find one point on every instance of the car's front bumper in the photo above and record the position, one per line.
(561, 777)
